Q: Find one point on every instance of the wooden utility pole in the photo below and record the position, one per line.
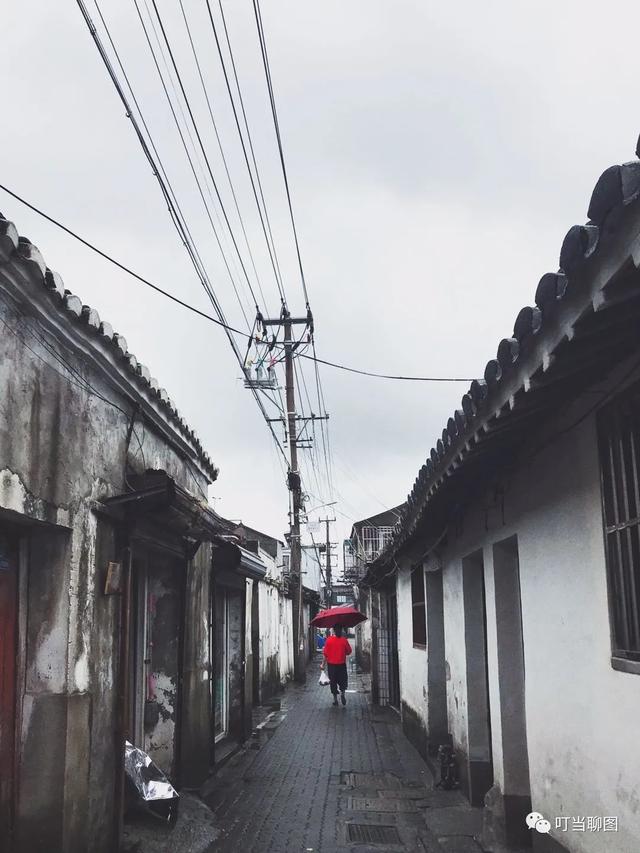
(328, 566)
(296, 440)
(295, 487)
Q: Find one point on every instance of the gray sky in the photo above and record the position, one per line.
(437, 155)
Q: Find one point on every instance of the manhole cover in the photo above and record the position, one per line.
(373, 833)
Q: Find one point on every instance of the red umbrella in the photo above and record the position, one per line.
(347, 616)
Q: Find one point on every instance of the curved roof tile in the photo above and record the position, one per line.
(617, 186)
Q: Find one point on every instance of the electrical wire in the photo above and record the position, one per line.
(266, 226)
(183, 224)
(276, 124)
(188, 245)
(200, 142)
(198, 311)
(219, 141)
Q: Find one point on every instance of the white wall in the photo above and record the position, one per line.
(582, 716)
(412, 661)
(275, 633)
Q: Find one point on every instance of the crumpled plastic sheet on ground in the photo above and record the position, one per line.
(147, 778)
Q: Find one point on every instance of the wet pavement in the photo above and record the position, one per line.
(319, 778)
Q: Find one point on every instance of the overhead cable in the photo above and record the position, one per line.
(274, 113)
(187, 243)
(264, 218)
(204, 314)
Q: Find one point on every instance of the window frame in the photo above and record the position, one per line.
(419, 637)
(618, 436)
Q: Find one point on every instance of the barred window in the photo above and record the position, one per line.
(418, 608)
(619, 440)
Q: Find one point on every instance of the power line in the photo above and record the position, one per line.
(188, 243)
(219, 141)
(204, 314)
(183, 141)
(274, 113)
(202, 147)
(183, 223)
(266, 226)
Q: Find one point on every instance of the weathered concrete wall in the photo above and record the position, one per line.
(66, 406)
(235, 614)
(196, 722)
(276, 639)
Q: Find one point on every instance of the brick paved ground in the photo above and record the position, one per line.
(313, 770)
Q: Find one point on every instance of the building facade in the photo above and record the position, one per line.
(509, 591)
(116, 577)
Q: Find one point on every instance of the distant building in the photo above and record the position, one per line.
(343, 595)
(367, 540)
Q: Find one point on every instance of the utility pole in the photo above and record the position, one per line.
(328, 546)
(297, 440)
(295, 487)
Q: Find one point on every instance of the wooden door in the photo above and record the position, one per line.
(8, 633)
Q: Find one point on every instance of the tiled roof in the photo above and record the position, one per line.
(16, 248)
(546, 337)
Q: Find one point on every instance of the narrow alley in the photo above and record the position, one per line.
(322, 367)
(319, 778)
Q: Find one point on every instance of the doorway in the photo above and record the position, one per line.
(221, 666)
(8, 653)
(478, 778)
(511, 679)
(394, 668)
(438, 725)
(154, 655)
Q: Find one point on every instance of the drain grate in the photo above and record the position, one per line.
(384, 804)
(373, 833)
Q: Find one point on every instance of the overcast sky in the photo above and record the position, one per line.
(437, 154)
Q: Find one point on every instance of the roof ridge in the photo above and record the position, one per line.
(616, 188)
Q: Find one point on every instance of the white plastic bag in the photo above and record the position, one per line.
(324, 678)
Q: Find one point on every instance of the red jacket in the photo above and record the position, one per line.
(336, 649)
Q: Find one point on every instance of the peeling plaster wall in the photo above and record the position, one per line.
(275, 639)
(163, 590)
(197, 725)
(61, 449)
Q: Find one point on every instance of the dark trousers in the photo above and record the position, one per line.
(337, 677)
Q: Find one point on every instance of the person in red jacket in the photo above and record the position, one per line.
(335, 653)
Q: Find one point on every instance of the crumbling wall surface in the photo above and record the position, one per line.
(64, 425)
(285, 642)
(236, 603)
(269, 633)
(66, 760)
(196, 725)
(164, 592)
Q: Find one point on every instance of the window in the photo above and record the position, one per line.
(619, 440)
(417, 608)
(374, 539)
